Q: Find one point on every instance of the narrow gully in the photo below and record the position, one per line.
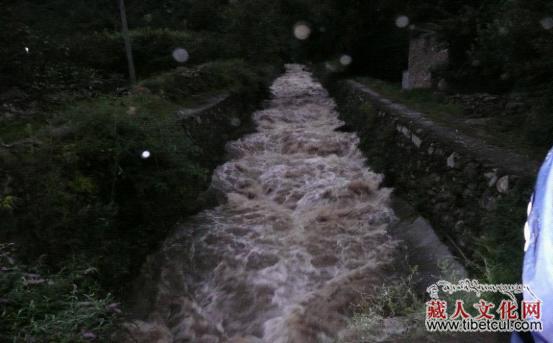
(302, 235)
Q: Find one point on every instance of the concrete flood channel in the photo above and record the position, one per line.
(305, 232)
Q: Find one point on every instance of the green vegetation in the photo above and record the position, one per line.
(152, 49)
(423, 100)
(498, 131)
(500, 247)
(395, 300)
(499, 47)
(394, 312)
(496, 47)
(77, 194)
(81, 46)
(73, 184)
(84, 180)
(226, 75)
(66, 306)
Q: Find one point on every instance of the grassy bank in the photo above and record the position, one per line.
(510, 132)
(84, 203)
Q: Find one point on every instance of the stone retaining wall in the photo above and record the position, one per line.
(225, 118)
(468, 189)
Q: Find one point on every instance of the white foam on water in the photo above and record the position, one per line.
(301, 236)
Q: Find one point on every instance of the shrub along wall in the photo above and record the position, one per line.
(152, 49)
(474, 194)
(80, 187)
(79, 195)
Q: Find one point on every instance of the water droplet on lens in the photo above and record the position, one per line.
(345, 60)
(180, 55)
(330, 67)
(302, 31)
(131, 110)
(547, 23)
(145, 154)
(235, 122)
(402, 21)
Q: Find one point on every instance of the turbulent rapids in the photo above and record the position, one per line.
(301, 235)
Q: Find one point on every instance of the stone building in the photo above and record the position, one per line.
(425, 54)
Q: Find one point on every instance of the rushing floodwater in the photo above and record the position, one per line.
(302, 234)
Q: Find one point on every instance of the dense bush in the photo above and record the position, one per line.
(498, 45)
(53, 63)
(499, 249)
(80, 186)
(494, 46)
(77, 35)
(258, 31)
(152, 49)
(87, 191)
(228, 75)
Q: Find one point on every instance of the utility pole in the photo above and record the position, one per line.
(127, 39)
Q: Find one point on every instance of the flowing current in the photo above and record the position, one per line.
(301, 236)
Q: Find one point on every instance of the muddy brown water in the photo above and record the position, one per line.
(301, 236)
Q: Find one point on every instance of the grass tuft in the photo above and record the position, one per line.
(66, 306)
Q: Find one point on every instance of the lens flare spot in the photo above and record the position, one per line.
(131, 110)
(145, 155)
(402, 21)
(302, 31)
(547, 23)
(345, 60)
(330, 67)
(180, 55)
